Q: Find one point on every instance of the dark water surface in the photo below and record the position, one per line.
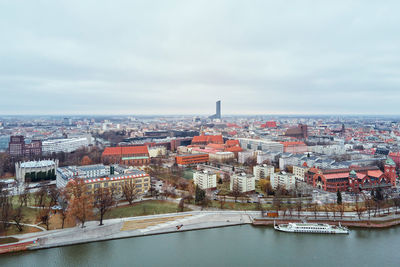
(230, 246)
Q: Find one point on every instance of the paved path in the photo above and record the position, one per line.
(155, 224)
(31, 225)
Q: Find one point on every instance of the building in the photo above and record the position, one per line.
(203, 140)
(260, 144)
(126, 155)
(283, 180)
(64, 174)
(17, 147)
(300, 132)
(353, 179)
(217, 114)
(300, 172)
(36, 171)
(66, 145)
(243, 182)
(222, 156)
(205, 179)
(157, 151)
(269, 124)
(263, 171)
(294, 147)
(191, 159)
(244, 156)
(140, 178)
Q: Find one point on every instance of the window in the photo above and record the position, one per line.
(138, 185)
(96, 185)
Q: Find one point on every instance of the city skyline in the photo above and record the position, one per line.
(179, 57)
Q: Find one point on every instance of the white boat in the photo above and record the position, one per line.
(313, 228)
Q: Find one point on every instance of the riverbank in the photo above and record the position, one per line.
(127, 228)
(345, 222)
(171, 223)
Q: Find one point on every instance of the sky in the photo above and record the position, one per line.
(180, 57)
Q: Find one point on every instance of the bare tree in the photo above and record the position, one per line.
(326, 208)
(181, 205)
(358, 207)
(222, 201)
(341, 209)
(235, 190)
(44, 216)
(81, 203)
(299, 207)
(396, 202)
(17, 216)
(5, 208)
(23, 198)
(63, 203)
(277, 203)
(103, 201)
(40, 197)
(129, 191)
(315, 209)
(54, 193)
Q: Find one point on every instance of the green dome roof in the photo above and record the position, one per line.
(390, 162)
(353, 173)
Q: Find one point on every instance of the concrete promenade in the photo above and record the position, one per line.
(136, 226)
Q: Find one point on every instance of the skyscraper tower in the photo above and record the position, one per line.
(217, 114)
(218, 111)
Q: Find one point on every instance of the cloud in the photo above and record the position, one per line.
(179, 57)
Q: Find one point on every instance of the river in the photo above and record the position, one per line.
(229, 246)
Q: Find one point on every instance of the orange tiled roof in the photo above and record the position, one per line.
(232, 143)
(215, 139)
(125, 150)
(375, 173)
(234, 149)
(293, 143)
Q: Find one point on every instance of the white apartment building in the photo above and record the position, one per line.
(205, 179)
(263, 171)
(64, 145)
(300, 172)
(260, 144)
(283, 179)
(89, 171)
(244, 156)
(244, 182)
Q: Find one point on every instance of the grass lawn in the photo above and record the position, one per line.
(148, 207)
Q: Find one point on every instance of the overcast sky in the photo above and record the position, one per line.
(179, 57)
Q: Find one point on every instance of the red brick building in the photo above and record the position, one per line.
(191, 159)
(126, 155)
(294, 147)
(353, 179)
(18, 148)
(203, 140)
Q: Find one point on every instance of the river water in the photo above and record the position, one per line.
(229, 246)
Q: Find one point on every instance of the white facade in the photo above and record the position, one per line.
(22, 168)
(205, 179)
(244, 182)
(329, 149)
(283, 179)
(260, 144)
(245, 155)
(157, 151)
(222, 156)
(64, 145)
(263, 171)
(299, 172)
(89, 171)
